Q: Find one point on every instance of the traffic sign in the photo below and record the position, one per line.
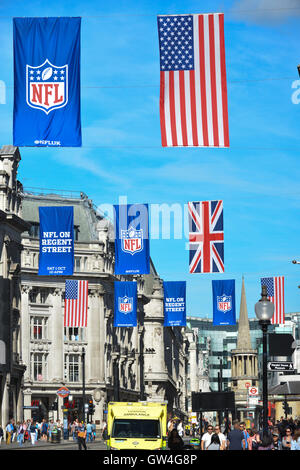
(253, 400)
(253, 391)
(247, 384)
(63, 392)
(280, 366)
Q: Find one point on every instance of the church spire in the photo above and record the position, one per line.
(243, 340)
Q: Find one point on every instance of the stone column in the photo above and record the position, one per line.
(5, 402)
(25, 331)
(233, 366)
(95, 343)
(56, 356)
(59, 411)
(20, 411)
(27, 402)
(99, 399)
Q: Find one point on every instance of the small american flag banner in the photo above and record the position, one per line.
(275, 293)
(193, 89)
(76, 304)
(206, 237)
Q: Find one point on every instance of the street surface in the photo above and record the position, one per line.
(98, 444)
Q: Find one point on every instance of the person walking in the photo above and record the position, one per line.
(50, 428)
(253, 439)
(223, 440)
(32, 432)
(8, 430)
(295, 445)
(266, 443)
(73, 430)
(14, 430)
(235, 438)
(93, 430)
(206, 438)
(170, 426)
(180, 429)
(1, 434)
(287, 439)
(175, 442)
(215, 443)
(89, 435)
(44, 430)
(20, 433)
(245, 434)
(81, 435)
(276, 441)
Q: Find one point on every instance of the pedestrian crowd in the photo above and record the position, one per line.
(281, 435)
(31, 431)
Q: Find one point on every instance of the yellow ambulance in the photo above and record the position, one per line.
(136, 425)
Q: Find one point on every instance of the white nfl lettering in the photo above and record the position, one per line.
(132, 240)
(47, 86)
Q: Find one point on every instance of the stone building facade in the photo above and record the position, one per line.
(149, 362)
(11, 227)
(244, 362)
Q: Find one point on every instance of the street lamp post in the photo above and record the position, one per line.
(220, 387)
(264, 310)
(83, 382)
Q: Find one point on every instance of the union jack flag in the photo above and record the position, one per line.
(206, 237)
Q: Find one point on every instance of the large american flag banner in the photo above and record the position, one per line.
(275, 293)
(193, 89)
(76, 304)
(206, 236)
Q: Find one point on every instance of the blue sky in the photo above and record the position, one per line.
(257, 177)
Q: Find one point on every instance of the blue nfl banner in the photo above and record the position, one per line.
(132, 252)
(224, 302)
(47, 82)
(125, 313)
(175, 303)
(56, 241)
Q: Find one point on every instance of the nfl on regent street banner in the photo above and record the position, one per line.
(175, 303)
(47, 82)
(224, 302)
(56, 241)
(132, 252)
(125, 313)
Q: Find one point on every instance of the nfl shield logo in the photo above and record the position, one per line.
(125, 304)
(224, 303)
(47, 86)
(132, 240)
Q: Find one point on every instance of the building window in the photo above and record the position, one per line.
(39, 367)
(38, 328)
(72, 367)
(73, 334)
(43, 296)
(77, 264)
(34, 230)
(33, 293)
